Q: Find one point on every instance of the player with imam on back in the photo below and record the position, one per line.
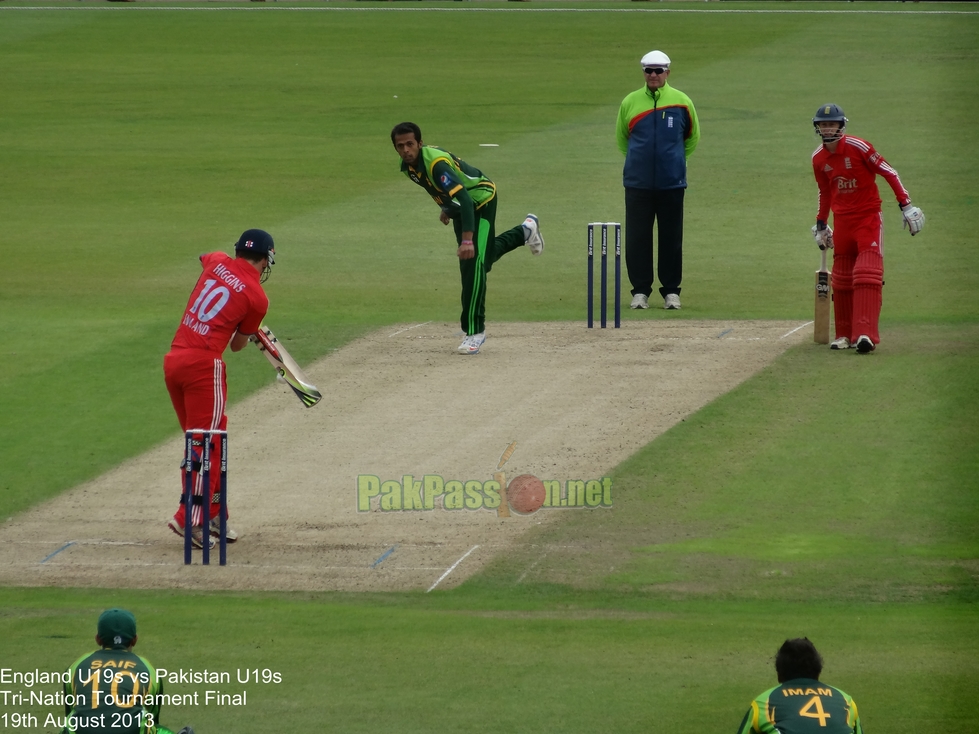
(113, 690)
(225, 309)
(846, 170)
(468, 199)
(800, 704)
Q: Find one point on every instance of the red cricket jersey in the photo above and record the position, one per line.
(228, 297)
(847, 179)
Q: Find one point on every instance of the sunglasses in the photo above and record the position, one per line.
(657, 70)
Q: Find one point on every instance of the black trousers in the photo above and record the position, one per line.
(642, 209)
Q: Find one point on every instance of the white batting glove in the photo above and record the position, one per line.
(823, 237)
(914, 218)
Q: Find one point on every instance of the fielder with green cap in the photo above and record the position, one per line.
(113, 690)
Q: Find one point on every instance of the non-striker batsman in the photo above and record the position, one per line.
(846, 170)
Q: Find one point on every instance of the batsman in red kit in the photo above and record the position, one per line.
(226, 308)
(846, 170)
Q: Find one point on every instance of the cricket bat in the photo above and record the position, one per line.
(504, 509)
(289, 371)
(820, 327)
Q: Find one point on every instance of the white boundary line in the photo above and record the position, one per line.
(402, 331)
(531, 568)
(729, 11)
(304, 568)
(452, 568)
(790, 333)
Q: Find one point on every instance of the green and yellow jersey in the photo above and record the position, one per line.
(457, 187)
(113, 691)
(802, 706)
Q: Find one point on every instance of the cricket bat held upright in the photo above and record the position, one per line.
(821, 318)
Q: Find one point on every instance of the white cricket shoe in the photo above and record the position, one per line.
(640, 300)
(197, 538)
(472, 343)
(532, 237)
(671, 302)
(840, 343)
(865, 344)
(232, 536)
(196, 533)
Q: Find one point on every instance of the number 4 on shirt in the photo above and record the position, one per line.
(814, 710)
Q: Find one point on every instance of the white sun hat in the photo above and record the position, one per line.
(655, 58)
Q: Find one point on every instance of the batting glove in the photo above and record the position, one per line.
(914, 218)
(823, 235)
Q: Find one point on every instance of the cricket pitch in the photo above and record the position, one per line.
(398, 402)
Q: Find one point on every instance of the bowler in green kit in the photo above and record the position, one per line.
(467, 198)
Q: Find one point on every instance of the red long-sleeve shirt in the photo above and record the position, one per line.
(847, 179)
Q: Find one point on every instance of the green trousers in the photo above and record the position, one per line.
(489, 249)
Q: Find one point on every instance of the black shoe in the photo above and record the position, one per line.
(865, 345)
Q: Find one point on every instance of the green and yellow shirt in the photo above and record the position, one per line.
(456, 186)
(113, 691)
(802, 706)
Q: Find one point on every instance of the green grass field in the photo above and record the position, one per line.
(830, 496)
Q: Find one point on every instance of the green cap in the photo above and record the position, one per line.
(117, 628)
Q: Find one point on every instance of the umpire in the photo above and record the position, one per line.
(657, 130)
